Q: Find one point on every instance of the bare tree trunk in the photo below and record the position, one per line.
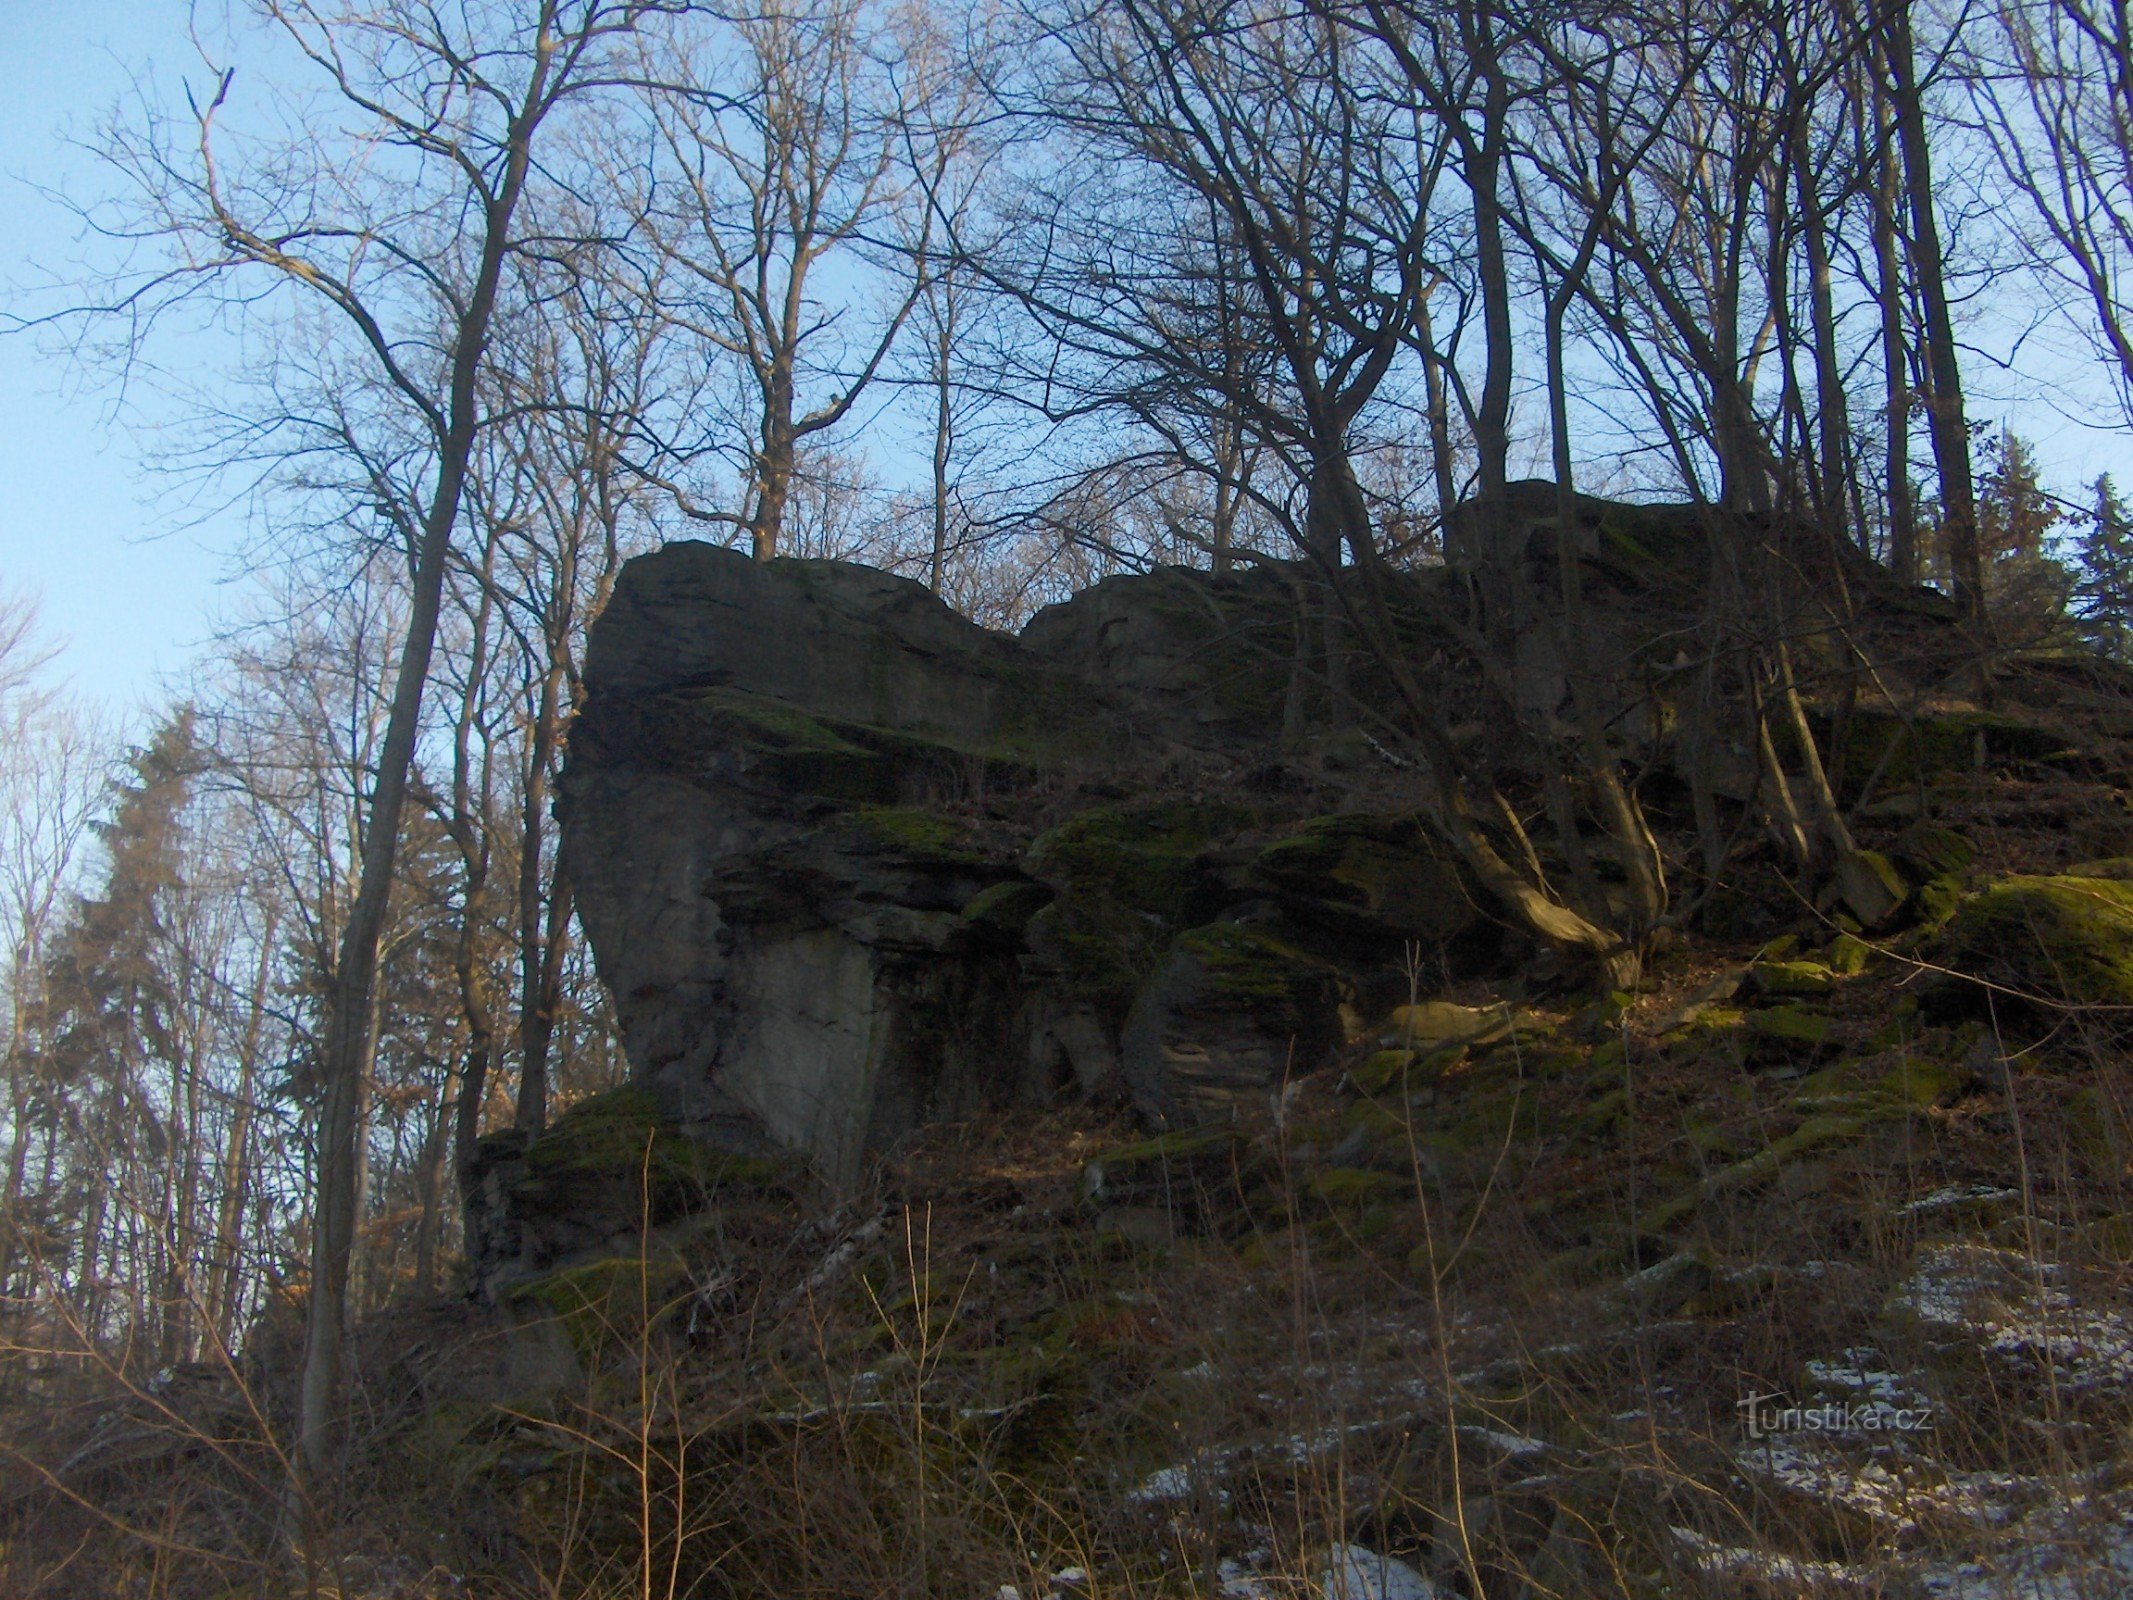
(224, 1283)
(1440, 422)
(536, 1008)
(1837, 475)
(354, 989)
(774, 464)
(943, 428)
(1895, 356)
(430, 1187)
(1944, 400)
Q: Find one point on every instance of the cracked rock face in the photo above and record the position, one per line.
(849, 863)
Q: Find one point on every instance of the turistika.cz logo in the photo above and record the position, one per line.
(1763, 1415)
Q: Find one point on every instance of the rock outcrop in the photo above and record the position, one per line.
(849, 862)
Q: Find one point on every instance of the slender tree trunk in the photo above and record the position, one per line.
(943, 432)
(348, 1031)
(1944, 399)
(1440, 423)
(1492, 418)
(429, 1187)
(1895, 359)
(536, 1014)
(774, 463)
(1635, 849)
(1831, 412)
(224, 1283)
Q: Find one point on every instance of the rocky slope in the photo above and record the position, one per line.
(975, 1220)
(984, 997)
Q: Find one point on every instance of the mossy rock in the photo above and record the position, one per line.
(1126, 880)
(617, 1152)
(795, 750)
(1248, 966)
(1791, 1028)
(601, 1304)
(1793, 977)
(1004, 910)
(1840, 1085)
(1139, 856)
(1917, 1083)
(1922, 1082)
(1936, 902)
(1940, 744)
(926, 837)
(1931, 852)
(1848, 955)
(1437, 1024)
(1869, 886)
(1817, 1132)
(1158, 1169)
(1386, 1071)
(2117, 869)
(1374, 874)
(2063, 939)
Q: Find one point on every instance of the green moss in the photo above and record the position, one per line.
(1383, 1070)
(1817, 1132)
(1378, 869)
(1794, 977)
(602, 1302)
(2067, 939)
(927, 835)
(1921, 1081)
(773, 722)
(1712, 1021)
(1245, 966)
(1127, 879)
(1140, 856)
(1932, 852)
(1914, 1084)
(1939, 744)
(1834, 1088)
(2118, 869)
(1355, 1187)
(1791, 1025)
(1006, 908)
(1848, 955)
(799, 751)
(1183, 1145)
(619, 1147)
(1936, 901)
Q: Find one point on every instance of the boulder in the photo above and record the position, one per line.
(849, 862)
(2063, 940)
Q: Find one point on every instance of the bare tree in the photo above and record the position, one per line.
(397, 218)
(2051, 84)
(804, 176)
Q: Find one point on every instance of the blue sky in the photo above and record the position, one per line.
(83, 524)
(127, 573)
